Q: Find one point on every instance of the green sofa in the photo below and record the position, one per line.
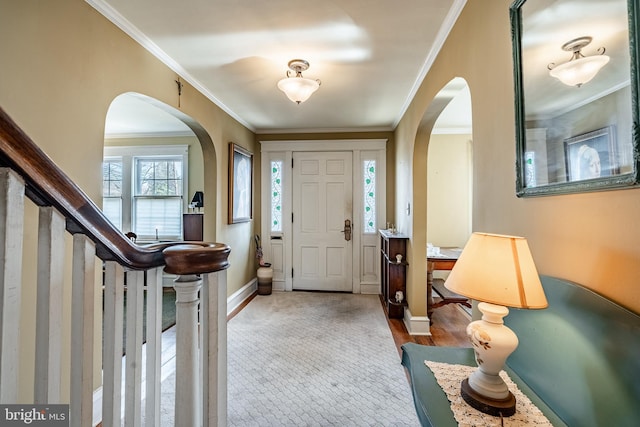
(578, 361)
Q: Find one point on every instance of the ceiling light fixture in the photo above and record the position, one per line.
(297, 88)
(579, 69)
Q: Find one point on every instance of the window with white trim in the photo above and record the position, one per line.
(157, 197)
(152, 183)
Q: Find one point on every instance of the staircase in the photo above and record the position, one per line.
(27, 175)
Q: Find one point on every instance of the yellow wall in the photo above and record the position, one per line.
(449, 190)
(589, 238)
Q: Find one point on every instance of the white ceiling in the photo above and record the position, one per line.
(370, 56)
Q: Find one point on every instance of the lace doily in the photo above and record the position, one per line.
(449, 378)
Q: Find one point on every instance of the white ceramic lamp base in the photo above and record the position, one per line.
(493, 343)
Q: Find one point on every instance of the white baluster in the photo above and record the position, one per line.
(11, 234)
(187, 403)
(51, 249)
(82, 322)
(214, 348)
(153, 347)
(112, 347)
(133, 349)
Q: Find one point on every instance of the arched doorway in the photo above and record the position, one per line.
(449, 187)
(140, 127)
(449, 171)
(446, 126)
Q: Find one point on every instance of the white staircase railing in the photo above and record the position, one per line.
(27, 174)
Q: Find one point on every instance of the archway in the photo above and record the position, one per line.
(434, 130)
(449, 172)
(134, 119)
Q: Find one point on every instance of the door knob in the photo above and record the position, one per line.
(347, 229)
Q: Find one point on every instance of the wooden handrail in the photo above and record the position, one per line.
(196, 258)
(47, 185)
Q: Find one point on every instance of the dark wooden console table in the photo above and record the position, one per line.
(392, 272)
(192, 226)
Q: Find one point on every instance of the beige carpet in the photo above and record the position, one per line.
(315, 359)
(312, 359)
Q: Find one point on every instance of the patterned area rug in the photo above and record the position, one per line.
(313, 359)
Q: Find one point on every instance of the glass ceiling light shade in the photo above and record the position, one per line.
(297, 88)
(579, 69)
(498, 271)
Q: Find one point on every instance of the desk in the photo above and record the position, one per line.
(445, 261)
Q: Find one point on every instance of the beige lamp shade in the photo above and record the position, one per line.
(499, 270)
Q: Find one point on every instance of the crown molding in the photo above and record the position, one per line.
(443, 33)
(125, 25)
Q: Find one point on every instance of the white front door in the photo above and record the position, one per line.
(322, 202)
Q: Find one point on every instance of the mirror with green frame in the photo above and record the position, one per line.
(576, 91)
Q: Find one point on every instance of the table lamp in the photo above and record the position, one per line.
(498, 271)
(198, 200)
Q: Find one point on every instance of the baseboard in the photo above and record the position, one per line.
(238, 297)
(416, 325)
(97, 406)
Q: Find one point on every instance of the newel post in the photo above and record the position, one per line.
(190, 261)
(187, 366)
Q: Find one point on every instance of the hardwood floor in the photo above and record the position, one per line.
(448, 328)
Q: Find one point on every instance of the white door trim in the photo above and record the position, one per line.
(281, 248)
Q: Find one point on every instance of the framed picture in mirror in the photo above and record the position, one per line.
(592, 155)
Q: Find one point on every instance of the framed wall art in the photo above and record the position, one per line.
(591, 155)
(240, 184)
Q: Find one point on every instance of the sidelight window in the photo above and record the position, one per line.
(369, 185)
(276, 196)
